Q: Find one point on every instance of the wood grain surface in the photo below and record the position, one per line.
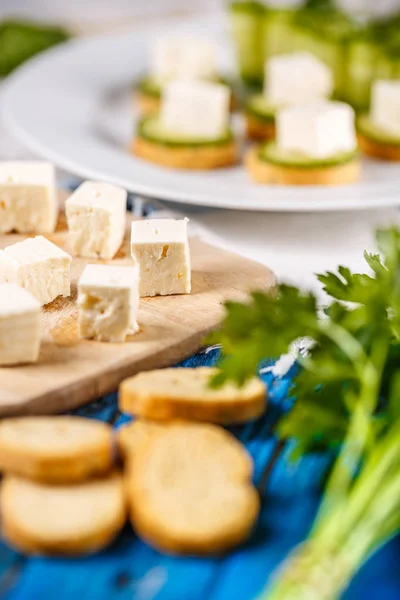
(71, 372)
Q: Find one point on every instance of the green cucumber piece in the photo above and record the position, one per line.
(367, 128)
(246, 24)
(260, 108)
(151, 129)
(279, 32)
(270, 153)
(151, 87)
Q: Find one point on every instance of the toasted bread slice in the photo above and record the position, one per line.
(62, 520)
(131, 436)
(146, 104)
(182, 393)
(55, 449)
(256, 129)
(190, 490)
(270, 173)
(201, 158)
(377, 149)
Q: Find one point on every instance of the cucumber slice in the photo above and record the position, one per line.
(246, 23)
(152, 87)
(151, 129)
(270, 153)
(279, 32)
(367, 128)
(260, 108)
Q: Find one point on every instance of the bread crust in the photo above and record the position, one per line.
(264, 172)
(377, 149)
(201, 158)
(81, 461)
(51, 542)
(159, 528)
(165, 402)
(256, 129)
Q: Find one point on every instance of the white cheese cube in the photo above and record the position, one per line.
(195, 109)
(96, 217)
(297, 78)
(385, 106)
(108, 301)
(20, 325)
(183, 57)
(37, 265)
(317, 130)
(160, 248)
(28, 197)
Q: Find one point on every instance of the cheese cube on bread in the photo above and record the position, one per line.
(20, 325)
(96, 217)
(195, 109)
(186, 57)
(108, 300)
(385, 106)
(160, 249)
(37, 265)
(28, 198)
(318, 130)
(296, 78)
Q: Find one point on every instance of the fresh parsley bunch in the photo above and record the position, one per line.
(347, 398)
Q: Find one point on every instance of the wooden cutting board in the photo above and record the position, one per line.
(71, 372)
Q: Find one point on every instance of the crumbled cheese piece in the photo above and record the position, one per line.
(20, 325)
(195, 109)
(108, 301)
(317, 130)
(160, 248)
(96, 217)
(385, 106)
(183, 57)
(37, 265)
(28, 197)
(297, 78)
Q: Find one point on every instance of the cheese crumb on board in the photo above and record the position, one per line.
(20, 325)
(296, 78)
(96, 217)
(385, 106)
(160, 248)
(317, 130)
(183, 57)
(28, 197)
(195, 109)
(37, 265)
(108, 301)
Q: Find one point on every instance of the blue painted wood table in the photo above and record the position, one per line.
(130, 570)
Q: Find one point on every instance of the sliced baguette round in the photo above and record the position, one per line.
(55, 449)
(131, 436)
(62, 520)
(256, 129)
(146, 104)
(182, 393)
(189, 490)
(378, 149)
(201, 158)
(270, 173)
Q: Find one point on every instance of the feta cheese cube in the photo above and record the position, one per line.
(317, 130)
(195, 109)
(96, 217)
(385, 106)
(20, 325)
(37, 265)
(28, 197)
(183, 57)
(296, 79)
(108, 301)
(160, 248)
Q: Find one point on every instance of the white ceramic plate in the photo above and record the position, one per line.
(72, 105)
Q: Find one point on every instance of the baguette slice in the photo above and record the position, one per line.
(62, 520)
(182, 393)
(189, 490)
(59, 449)
(267, 172)
(131, 436)
(378, 149)
(256, 129)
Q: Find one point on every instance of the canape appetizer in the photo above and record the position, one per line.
(192, 129)
(379, 131)
(178, 57)
(315, 144)
(290, 79)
